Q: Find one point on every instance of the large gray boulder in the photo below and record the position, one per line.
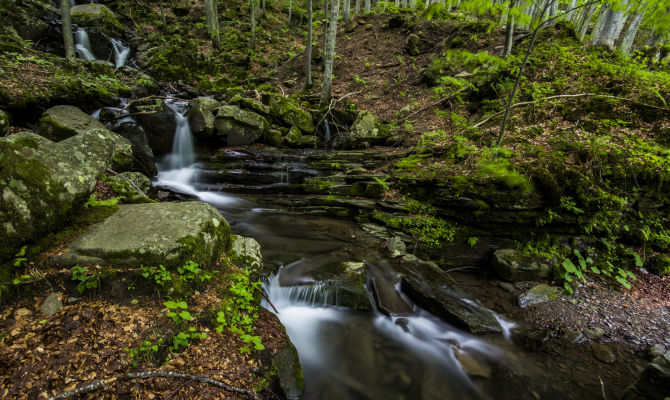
(159, 124)
(143, 156)
(97, 15)
(43, 182)
(514, 266)
(365, 132)
(62, 122)
(251, 104)
(166, 234)
(240, 127)
(201, 117)
(245, 252)
(432, 288)
(289, 112)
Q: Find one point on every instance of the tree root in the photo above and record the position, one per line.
(102, 383)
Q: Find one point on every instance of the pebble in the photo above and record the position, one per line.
(51, 304)
(603, 353)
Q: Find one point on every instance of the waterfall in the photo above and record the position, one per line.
(183, 155)
(83, 46)
(121, 52)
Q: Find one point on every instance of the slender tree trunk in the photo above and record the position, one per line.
(325, 27)
(357, 11)
(404, 4)
(612, 28)
(252, 7)
(308, 49)
(263, 8)
(68, 39)
(509, 34)
(585, 20)
(629, 36)
(212, 21)
(600, 24)
(160, 4)
(367, 6)
(290, 10)
(345, 9)
(572, 16)
(330, 54)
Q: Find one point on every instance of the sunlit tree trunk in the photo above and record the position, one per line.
(600, 24)
(629, 36)
(330, 54)
(325, 25)
(367, 6)
(404, 4)
(308, 49)
(357, 11)
(585, 20)
(345, 9)
(290, 10)
(68, 39)
(509, 30)
(613, 25)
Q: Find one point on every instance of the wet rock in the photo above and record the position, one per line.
(365, 132)
(308, 142)
(471, 365)
(240, 127)
(201, 117)
(655, 351)
(293, 137)
(127, 191)
(344, 285)
(531, 338)
(97, 15)
(655, 380)
(514, 266)
(5, 122)
(429, 286)
(603, 353)
(289, 372)
(62, 122)
(415, 45)
(251, 104)
(159, 125)
(151, 234)
(396, 247)
(388, 300)
(594, 333)
(245, 252)
(507, 286)
(576, 337)
(42, 181)
(143, 156)
(51, 305)
(539, 294)
(290, 112)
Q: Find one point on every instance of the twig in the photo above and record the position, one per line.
(102, 383)
(333, 102)
(602, 387)
(268, 299)
(606, 96)
(131, 183)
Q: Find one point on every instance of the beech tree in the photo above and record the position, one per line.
(329, 55)
(68, 40)
(308, 48)
(212, 15)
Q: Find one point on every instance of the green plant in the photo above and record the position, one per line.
(94, 202)
(383, 182)
(183, 338)
(360, 81)
(472, 241)
(146, 351)
(191, 271)
(159, 274)
(87, 280)
(178, 311)
(238, 313)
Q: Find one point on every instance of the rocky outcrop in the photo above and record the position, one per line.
(166, 234)
(251, 104)
(124, 189)
(62, 122)
(201, 117)
(415, 45)
(430, 287)
(159, 125)
(43, 182)
(290, 113)
(97, 15)
(514, 266)
(5, 121)
(143, 156)
(240, 127)
(366, 131)
(289, 379)
(654, 382)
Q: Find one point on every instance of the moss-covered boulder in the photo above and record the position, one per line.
(61, 122)
(201, 117)
(365, 132)
(293, 137)
(245, 252)
(273, 137)
(143, 156)
(159, 124)
(122, 187)
(97, 15)
(430, 287)
(166, 234)
(5, 121)
(514, 266)
(251, 104)
(43, 182)
(240, 127)
(290, 112)
(289, 377)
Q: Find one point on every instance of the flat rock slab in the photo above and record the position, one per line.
(154, 234)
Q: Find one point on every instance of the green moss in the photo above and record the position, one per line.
(202, 248)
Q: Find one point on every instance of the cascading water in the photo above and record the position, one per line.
(183, 155)
(83, 45)
(121, 52)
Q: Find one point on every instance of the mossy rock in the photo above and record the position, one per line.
(97, 15)
(240, 127)
(513, 266)
(5, 122)
(273, 137)
(43, 182)
(61, 122)
(365, 132)
(293, 137)
(201, 117)
(251, 104)
(166, 234)
(290, 112)
(246, 253)
(124, 189)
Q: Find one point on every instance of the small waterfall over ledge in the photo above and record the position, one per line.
(121, 52)
(83, 45)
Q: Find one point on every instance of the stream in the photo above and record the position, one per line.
(349, 354)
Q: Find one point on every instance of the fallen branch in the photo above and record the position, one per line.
(131, 183)
(265, 296)
(102, 383)
(525, 103)
(332, 104)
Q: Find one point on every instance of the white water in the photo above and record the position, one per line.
(121, 52)
(83, 45)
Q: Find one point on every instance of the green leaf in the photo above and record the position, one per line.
(185, 315)
(623, 282)
(569, 266)
(170, 304)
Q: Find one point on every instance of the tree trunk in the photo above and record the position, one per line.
(308, 49)
(585, 20)
(325, 27)
(509, 33)
(600, 24)
(612, 26)
(357, 11)
(68, 39)
(572, 16)
(629, 36)
(367, 6)
(404, 4)
(345, 9)
(212, 21)
(252, 7)
(330, 54)
(290, 10)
